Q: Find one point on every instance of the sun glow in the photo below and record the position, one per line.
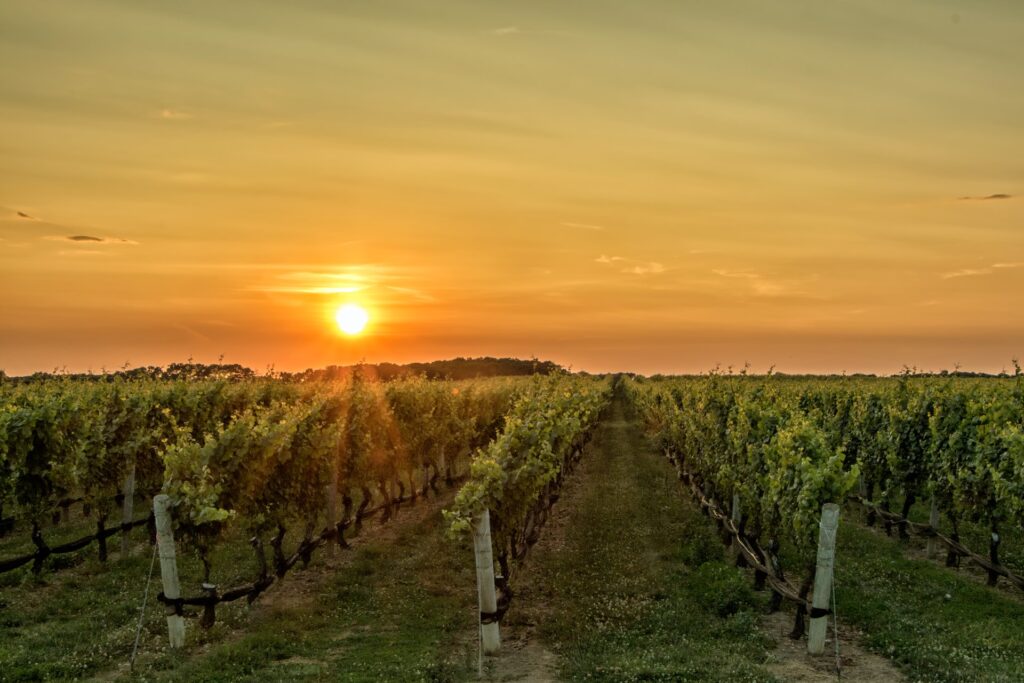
(351, 318)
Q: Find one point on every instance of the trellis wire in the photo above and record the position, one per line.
(142, 611)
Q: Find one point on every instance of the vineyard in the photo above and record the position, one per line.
(786, 448)
(230, 493)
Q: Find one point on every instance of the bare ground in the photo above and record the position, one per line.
(790, 661)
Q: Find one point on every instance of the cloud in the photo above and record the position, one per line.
(89, 239)
(519, 31)
(174, 115)
(310, 289)
(79, 231)
(735, 273)
(7, 213)
(639, 267)
(354, 274)
(998, 195)
(414, 293)
(971, 272)
(584, 226)
(651, 268)
(768, 288)
(966, 272)
(763, 286)
(346, 280)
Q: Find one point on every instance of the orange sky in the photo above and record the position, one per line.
(651, 186)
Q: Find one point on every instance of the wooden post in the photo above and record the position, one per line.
(933, 522)
(490, 639)
(823, 577)
(127, 508)
(168, 567)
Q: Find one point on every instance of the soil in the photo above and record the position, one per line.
(790, 661)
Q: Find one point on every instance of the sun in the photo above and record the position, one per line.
(351, 318)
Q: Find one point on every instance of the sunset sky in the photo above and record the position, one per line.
(649, 186)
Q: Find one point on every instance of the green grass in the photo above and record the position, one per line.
(974, 536)
(388, 610)
(81, 619)
(392, 613)
(617, 601)
(935, 623)
(899, 601)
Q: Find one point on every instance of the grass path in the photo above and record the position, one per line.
(608, 594)
(938, 624)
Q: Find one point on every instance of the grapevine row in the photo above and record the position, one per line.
(64, 440)
(516, 477)
(786, 446)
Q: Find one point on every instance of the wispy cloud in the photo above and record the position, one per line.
(345, 280)
(414, 293)
(768, 288)
(507, 31)
(90, 239)
(174, 115)
(15, 217)
(763, 286)
(735, 273)
(636, 267)
(8, 213)
(650, 268)
(966, 272)
(584, 226)
(310, 289)
(972, 272)
(998, 195)
(307, 282)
